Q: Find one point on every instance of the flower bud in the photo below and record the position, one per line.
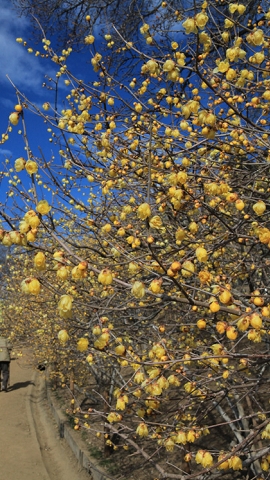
(138, 289)
(40, 261)
(65, 306)
(14, 118)
(256, 321)
(259, 207)
(63, 336)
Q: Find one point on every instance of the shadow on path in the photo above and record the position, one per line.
(18, 385)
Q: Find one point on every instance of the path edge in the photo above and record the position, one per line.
(85, 460)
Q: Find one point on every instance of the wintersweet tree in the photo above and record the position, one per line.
(144, 239)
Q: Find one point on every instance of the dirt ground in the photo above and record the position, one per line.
(30, 446)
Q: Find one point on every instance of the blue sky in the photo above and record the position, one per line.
(27, 72)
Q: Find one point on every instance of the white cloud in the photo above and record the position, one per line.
(23, 68)
(5, 152)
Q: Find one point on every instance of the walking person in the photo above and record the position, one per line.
(5, 348)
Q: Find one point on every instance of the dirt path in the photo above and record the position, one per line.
(30, 447)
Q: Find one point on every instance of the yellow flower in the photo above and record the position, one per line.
(19, 164)
(239, 204)
(221, 327)
(225, 36)
(180, 234)
(256, 321)
(193, 227)
(31, 167)
(265, 465)
(114, 417)
(258, 57)
(31, 236)
(16, 237)
(89, 39)
(139, 377)
(121, 403)
(144, 211)
(163, 382)
(233, 7)
(169, 444)
(201, 323)
(191, 436)
(14, 118)
(201, 254)
(255, 38)
(77, 273)
(266, 432)
(201, 20)
(173, 380)
(40, 261)
(105, 277)
(223, 66)
(142, 430)
(241, 9)
(224, 465)
(138, 289)
(34, 286)
(62, 273)
(24, 227)
(231, 74)
(90, 359)
(43, 207)
(120, 350)
(190, 25)
(152, 66)
(155, 222)
(243, 324)
(168, 66)
(144, 29)
(154, 389)
(82, 344)
(231, 332)
(181, 437)
(259, 207)
(63, 336)
(228, 23)
(34, 221)
(155, 285)
(204, 276)
(266, 95)
(214, 306)
(264, 235)
(188, 268)
(182, 178)
(65, 306)
(24, 285)
(235, 463)
(254, 336)
(225, 296)
(204, 458)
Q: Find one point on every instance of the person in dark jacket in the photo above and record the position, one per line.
(5, 348)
